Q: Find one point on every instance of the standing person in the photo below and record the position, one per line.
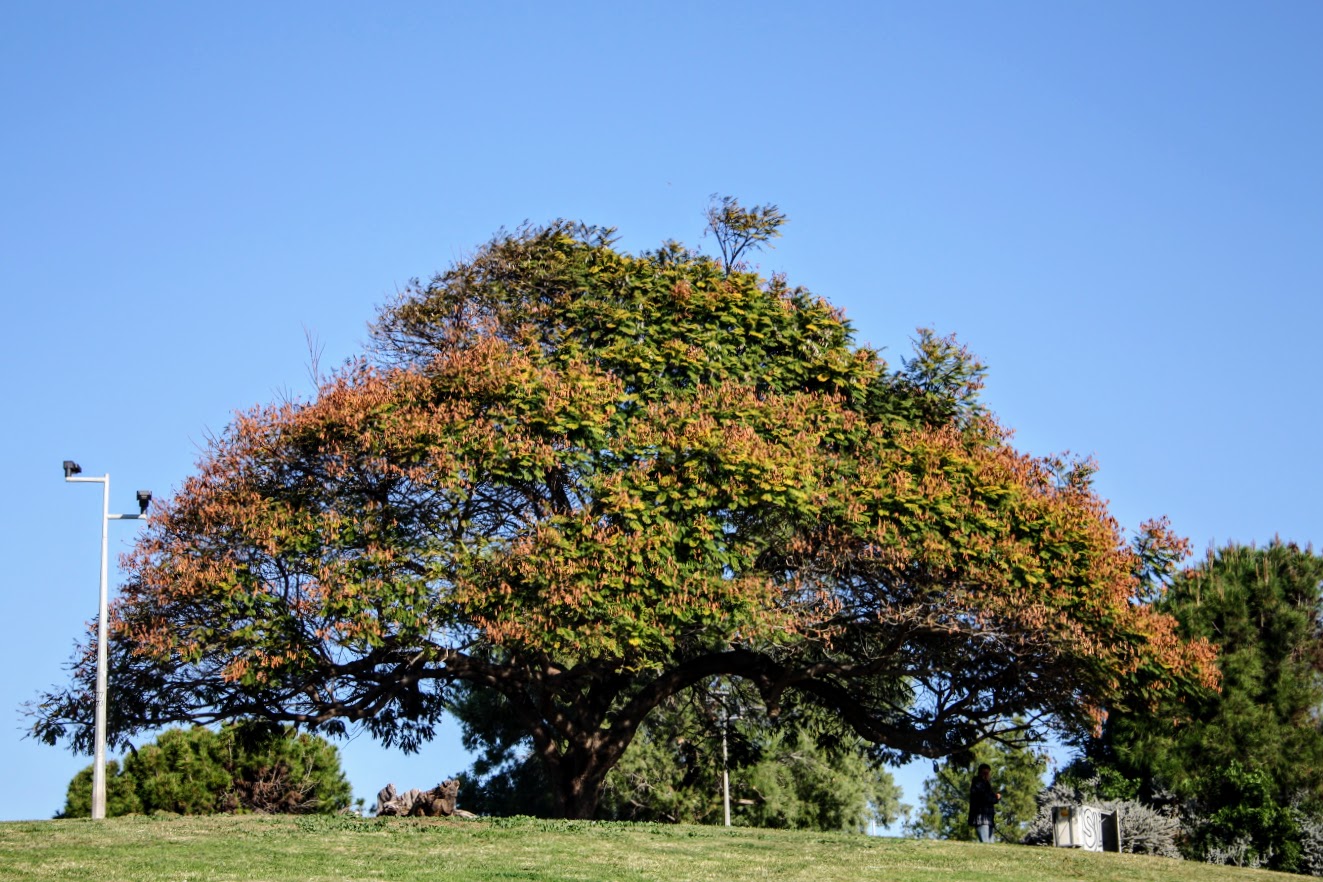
(983, 803)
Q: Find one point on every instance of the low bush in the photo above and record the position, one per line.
(198, 771)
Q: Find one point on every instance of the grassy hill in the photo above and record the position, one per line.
(223, 848)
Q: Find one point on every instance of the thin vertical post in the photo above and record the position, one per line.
(71, 471)
(725, 769)
(102, 661)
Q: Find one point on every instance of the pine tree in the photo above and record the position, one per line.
(1256, 747)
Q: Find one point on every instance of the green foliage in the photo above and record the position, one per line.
(1241, 757)
(1104, 783)
(946, 379)
(801, 771)
(121, 794)
(1017, 774)
(243, 767)
(803, 784)
(1248, 811)
(672, 769)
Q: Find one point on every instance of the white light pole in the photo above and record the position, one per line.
(721, 695)
(725, 771)
(71, 469)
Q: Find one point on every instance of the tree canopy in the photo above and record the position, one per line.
(1263, 609)
(590, 480)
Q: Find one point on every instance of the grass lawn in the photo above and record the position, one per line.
(286, 849)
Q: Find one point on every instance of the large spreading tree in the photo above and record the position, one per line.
(590, 480)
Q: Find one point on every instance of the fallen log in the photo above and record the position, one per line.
(439, 802)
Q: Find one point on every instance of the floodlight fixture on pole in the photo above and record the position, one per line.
(71, 470)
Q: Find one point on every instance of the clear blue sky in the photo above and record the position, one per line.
(1118, 205)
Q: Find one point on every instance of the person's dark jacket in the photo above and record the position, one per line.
(982, 802)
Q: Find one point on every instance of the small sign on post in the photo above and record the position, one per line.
(1085, 827)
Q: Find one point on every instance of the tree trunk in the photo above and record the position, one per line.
(580, 738)
(580, 774)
